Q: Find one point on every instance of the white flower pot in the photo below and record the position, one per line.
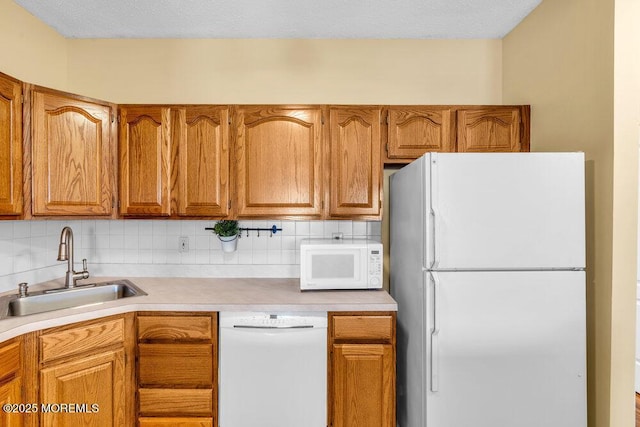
(229, 243)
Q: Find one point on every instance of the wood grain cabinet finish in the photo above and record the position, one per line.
(201, 136)
(95, 379)
(73, 151)
(11, 382)
(10, 146)
(177, 369)
(415, 130)
(278, 161)
(492, 129)
(86, 364)
(144, 161)
(356, 168)
(361, 383)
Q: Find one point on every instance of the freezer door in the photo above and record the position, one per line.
(506, 349)
(507, 211)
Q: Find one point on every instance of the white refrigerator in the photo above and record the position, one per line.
(487, 268)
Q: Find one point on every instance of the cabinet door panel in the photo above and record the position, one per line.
(413, 131)
(363, 390)
(356, 170)
(72, 156)
(279, 161)
(144, 161)
(10, 147)
(490, 129)
(11, 393)
(97, 379)
(202, 138)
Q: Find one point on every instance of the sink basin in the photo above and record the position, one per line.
(57, 299)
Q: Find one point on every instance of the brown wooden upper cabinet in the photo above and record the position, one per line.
(200, 134)
(415, 130)
(73, 149)
(278, 160)
(144, 160)
(356, 168)
(494, 128)
(10, 146)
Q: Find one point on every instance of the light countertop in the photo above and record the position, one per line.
(204, 294)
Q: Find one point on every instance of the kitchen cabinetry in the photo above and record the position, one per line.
(144, 160)
(177, 369)
(362, 376)
(10, 146)
(412, 131)
(73, 154)
(200, 135)
(356, 169)
(279, 160)
(86, 365)
(493, 128)
(11, 382)
(415, 130)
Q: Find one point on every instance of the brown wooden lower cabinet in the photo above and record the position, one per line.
(361, 383)
(177, 369)
(95, 383)
(11, 382)
(175, 422)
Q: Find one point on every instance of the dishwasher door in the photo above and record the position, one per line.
(272, 369)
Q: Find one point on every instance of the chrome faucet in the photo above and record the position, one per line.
(65, 253)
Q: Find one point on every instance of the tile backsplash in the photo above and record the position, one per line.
(28, 249)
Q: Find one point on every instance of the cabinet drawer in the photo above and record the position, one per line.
(363, 328)
(9, 359)
(186, 365)
(161, 401)
(175, 422)
(180, 328)
(80, 339)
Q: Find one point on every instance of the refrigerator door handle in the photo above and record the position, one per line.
(433, 182)
(435, 331)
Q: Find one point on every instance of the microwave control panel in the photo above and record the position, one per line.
(375, 268)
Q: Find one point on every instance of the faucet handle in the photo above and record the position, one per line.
(22, 289)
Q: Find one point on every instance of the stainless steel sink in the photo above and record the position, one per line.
(57, 299)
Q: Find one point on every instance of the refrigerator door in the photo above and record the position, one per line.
(506, 349)
(495, 211)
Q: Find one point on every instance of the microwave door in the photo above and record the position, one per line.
(332, 269)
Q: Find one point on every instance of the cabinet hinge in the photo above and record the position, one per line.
(322, 204)
(229, 205)
(113, 117)
(21, 99)
(322, 119)
(387, 118)
(386, 147)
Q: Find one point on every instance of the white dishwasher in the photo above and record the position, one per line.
(272, 369)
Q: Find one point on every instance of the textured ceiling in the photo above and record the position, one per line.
(373, 19)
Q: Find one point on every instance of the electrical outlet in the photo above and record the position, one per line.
(183, 244)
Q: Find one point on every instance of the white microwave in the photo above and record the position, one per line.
(340, 264)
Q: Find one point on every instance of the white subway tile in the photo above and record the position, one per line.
(145, 228)
(288, 228)
(330, 227)
(288, 243)
(145, 242)
(131, 227)
(374, 228)
(288, 257)
(316, 228)
(21, 229)
(259, 243)
(38, 228)
(102, 227)
(230, 257)
(202, 256)
(188, 257)
(260, 257)
(173, 227)
(274, 257)
(131, 256)
(274, 243)
(245, 257)
(116, 241)
(6, 230)
(6, 266)
(188, 228)
(202, 242)
(159, 228)
(116, 227)
(359, 228)
(145, 256)
(346, 228)
(159, 242)
(302, 228)
(215, 257)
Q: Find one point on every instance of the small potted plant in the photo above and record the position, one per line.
(227, 231)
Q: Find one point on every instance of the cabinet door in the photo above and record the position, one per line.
(73, 153)
(413, 131)
(279, 161)
(10, 393)
(201, 135)
(491, 129)
(96, 379)
(363, 392)
(10, 146)
(144, 161)
(356, 169)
